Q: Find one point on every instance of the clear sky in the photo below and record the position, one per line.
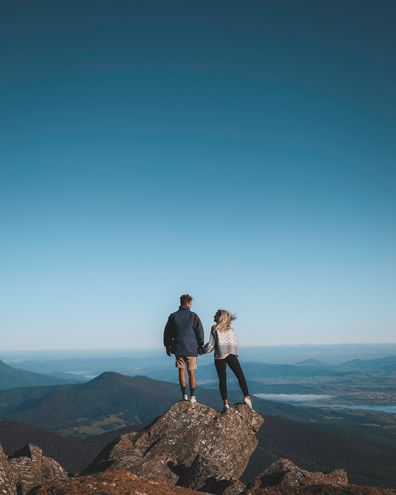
(242, 151)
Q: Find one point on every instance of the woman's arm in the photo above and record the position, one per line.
(210, 345)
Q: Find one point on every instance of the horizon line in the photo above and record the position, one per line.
(138, 349)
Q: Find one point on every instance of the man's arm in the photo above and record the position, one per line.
(199, 331)
(169, 334)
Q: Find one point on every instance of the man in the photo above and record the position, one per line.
(183, 335)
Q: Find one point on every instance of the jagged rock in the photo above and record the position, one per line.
(191, 445)
(32, 468)
(325, 490)
(26, 469)
(113, 452)
(284, 473)
(283, 477)
(118, 482)
(8, 476)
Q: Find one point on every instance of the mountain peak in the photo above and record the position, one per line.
(114, 379)
(311, 362)
(110, 378)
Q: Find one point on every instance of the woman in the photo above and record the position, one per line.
(224, 341)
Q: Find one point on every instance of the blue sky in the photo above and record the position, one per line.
(240, 151)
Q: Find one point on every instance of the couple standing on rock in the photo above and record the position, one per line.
(184, 337)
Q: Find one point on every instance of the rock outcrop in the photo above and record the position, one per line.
(26, 469)
(191, 445)
(8, 477)
(119, 482)
(278, 479)
(283, 477)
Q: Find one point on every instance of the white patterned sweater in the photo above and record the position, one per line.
(223, 343)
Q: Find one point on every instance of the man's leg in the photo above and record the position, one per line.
(192, 381)
(192, 366)
(182, 379)
(181, 365)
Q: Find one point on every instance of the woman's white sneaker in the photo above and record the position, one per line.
(193, 399)
(185, 397)
(225, 409)
(248, 402)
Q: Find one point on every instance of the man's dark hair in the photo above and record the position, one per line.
(185, 299)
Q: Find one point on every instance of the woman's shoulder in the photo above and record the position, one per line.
(226, 333)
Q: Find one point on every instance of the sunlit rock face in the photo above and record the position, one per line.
(191, 445)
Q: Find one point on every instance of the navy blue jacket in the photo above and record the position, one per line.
(183, 333)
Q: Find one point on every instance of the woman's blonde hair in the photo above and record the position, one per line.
(225, 319)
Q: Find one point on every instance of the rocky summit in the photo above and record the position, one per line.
(191, 445)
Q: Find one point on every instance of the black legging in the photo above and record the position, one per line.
(233, 363)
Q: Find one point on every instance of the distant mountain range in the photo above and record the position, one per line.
(79, 370)
(261, 370)
(11, 377)
(112, 401)
(386, 364)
